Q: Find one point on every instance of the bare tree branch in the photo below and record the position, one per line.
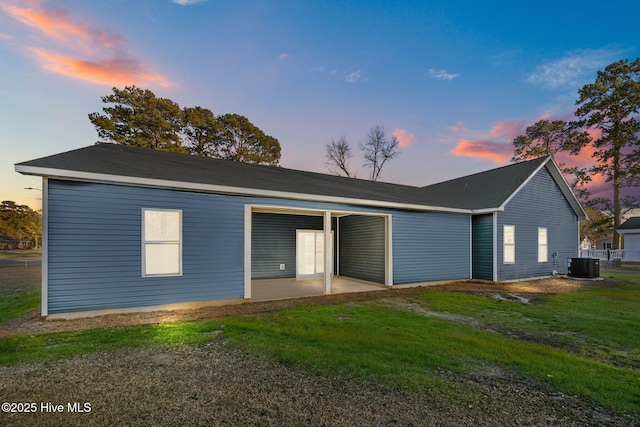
(338, 155)
(378, 149)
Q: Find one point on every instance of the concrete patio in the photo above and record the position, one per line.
(276, 289)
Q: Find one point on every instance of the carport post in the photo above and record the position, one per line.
(328, 261)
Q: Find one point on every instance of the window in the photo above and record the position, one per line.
(161, 242)
(509, 244)
(542, 245)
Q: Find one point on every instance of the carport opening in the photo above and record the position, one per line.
(357, 259)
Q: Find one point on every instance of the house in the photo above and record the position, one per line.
(132, 229)
(630, 230)
(8, 243)
(606, 243)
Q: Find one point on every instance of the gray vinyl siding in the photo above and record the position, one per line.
(273, 242)
(94, 250)
(362, 247)
(482, 247)
(431, 246)
(539, 204)
(427, 246)
(95, 254)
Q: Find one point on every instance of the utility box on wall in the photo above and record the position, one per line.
(587, 268)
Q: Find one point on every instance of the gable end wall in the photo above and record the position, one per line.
(539, 204)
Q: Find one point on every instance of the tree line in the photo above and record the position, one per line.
(607, 108)
(20, 221)
(137, 117)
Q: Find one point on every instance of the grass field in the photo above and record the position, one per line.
(599, 323)
(17, 304)
(20, 254)
(566, 343)
(582, 343)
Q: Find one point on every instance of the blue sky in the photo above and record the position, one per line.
(454, 81)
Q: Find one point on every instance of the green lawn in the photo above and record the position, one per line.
(26, 348)
(602, 323)
(583, 343)
(15, 305)
(406, 348)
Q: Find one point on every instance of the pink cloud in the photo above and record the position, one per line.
(283, 56)
(86, 51)
(119, 71)
(509, 129)
(496, 145)
(490, 150)
(594, 133)
(69, 31)
(5, 36)
(404, 139)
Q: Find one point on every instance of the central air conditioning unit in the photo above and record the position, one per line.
(586, 268)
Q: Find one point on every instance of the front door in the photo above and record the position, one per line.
(310, 254)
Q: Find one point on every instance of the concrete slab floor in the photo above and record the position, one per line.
(275, 289)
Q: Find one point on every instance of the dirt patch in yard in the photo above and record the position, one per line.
(217, 384)
(19, 279)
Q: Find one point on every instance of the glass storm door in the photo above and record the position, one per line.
(310, 254)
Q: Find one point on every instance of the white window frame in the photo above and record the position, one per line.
(317, 266)
(175, 243)
(508, 244)
(543, 244)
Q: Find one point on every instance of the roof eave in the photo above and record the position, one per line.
(487, 210)
(628, 231)
(220, 189)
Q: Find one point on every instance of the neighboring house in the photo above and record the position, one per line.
(630, 230)
(8, 243)
(606, 243)
(127, 229)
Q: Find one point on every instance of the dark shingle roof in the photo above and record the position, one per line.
(482, 191)
(632, 223)
(111, 159)
(4, 238)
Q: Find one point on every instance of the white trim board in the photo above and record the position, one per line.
(44, 305)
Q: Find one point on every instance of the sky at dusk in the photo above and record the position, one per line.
(453, 81)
